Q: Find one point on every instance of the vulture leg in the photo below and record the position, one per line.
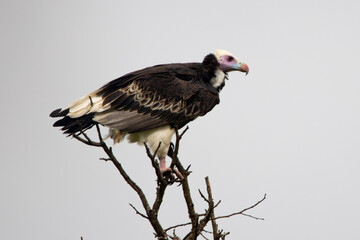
(165, 170)
(163, 167)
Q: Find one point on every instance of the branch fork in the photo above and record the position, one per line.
(198, 222)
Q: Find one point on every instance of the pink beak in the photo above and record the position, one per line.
(244, 68)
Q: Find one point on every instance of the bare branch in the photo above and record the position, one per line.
(87, 141)
(185, 187)
(204, 236)
(212, 214)
(244, 210)
(209, 212)
(85, 135)
(178, 225)
(251, 216)
(174, 237)
(161, 181)
(183, 132)
(99, 133)
(216, 233)
(160, 191)
(217, 204)
(178, 138)
(149, 214)
(137, 212)
(202, 195)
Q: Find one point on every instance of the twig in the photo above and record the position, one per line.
(178, 138)
(86, 140)
(204, 236)
(176, 226)
(220, 217)
(250, 216)
(202, 195)
(244, 210)
(137, 212)
(85, 135)
(209, 212)
(174, 237)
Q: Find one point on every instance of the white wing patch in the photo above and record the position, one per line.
(87, 104)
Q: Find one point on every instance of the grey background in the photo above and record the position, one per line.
(289, 129)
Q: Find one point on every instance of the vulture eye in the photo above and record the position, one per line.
(230, 58)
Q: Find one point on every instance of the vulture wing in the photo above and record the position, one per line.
(172, 94)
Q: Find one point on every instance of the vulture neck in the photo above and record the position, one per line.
(218, 81)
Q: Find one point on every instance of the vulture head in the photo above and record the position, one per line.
(230, 63)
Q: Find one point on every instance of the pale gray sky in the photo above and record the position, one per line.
(289, 129)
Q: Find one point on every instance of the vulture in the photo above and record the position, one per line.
(147, 105)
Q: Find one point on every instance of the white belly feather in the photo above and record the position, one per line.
(153, 137)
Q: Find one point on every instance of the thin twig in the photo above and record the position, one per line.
(137, 212)
(178, 138)
(174, 237)
(216, 205)
(176, 226)
(202, 195)
(86, 141)
(251, 216)
(85, 135)
(204, 236)
(244, 210)
(209, 212)
(220, 217)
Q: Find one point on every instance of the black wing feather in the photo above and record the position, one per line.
(173, 93)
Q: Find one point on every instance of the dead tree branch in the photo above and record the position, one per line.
(198, 221)
(212, 214)
(242, 212)
(137, 212)
(149, 213)
(185, 187)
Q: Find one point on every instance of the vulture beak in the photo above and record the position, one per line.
(242, 67)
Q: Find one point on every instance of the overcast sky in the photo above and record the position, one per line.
(289, 129)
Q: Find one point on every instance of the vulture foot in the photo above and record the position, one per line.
(167, 171)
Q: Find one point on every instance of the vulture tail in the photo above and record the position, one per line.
(72, 125)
